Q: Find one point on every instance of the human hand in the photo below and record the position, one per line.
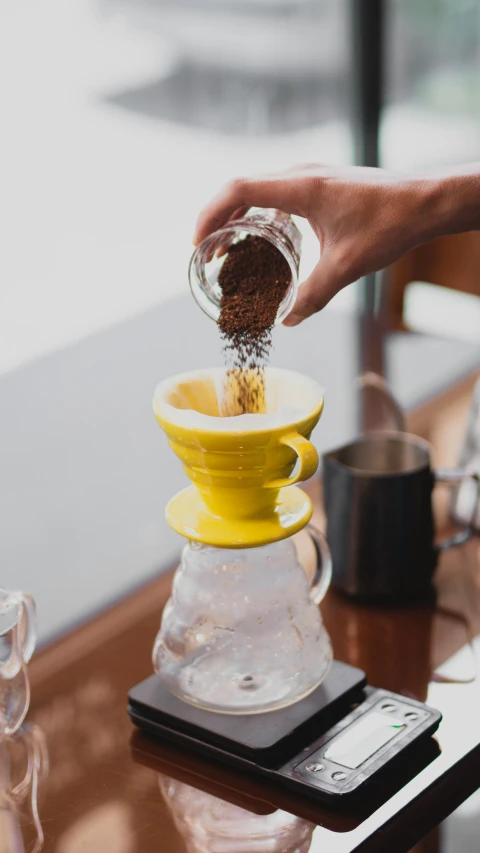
(365, 219)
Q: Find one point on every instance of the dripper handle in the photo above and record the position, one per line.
(323, 572)
(307, 457)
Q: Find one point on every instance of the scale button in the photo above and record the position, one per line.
(339, 776)
(411, 715)
(314, 768)
(388, 707)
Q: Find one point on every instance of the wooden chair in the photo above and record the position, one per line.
(452, 262)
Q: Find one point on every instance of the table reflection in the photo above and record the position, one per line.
(23, 767)
(209, 824)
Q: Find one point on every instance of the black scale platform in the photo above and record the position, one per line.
(262, 738)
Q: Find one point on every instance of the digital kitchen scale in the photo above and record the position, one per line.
(329, 745)
(261, 796)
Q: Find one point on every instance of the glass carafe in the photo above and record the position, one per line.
(242, 631)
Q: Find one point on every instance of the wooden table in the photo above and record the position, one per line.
(106, 782)
(110, 789)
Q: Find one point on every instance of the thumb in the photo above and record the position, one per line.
(318, 289)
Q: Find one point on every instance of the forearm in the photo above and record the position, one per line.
(448, 203)
(365, 219)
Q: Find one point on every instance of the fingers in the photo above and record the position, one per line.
(237, 214)
(317, 291)
(283, 192)
(217, 213)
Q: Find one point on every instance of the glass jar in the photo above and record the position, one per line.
(273, 225)
(242, 632)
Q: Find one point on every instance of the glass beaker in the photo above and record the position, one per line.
(273, 225)
(17, 642)
(242, 631)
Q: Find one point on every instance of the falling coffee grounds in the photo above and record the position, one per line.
(254, 279)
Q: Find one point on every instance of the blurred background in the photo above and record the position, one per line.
(121, 117)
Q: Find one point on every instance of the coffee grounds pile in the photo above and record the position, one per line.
(254, 279)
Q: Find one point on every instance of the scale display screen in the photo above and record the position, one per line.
(362, 739)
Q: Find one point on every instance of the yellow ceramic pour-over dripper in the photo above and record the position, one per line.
(243, 492)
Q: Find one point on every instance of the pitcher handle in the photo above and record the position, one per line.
(307, 457)
(323, 572)
(453, 477)
(374, 380)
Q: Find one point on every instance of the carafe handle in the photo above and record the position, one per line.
(323, 572)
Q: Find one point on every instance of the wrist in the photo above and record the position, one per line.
(447, 204)
(428, 210)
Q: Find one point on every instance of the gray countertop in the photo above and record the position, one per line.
(86, 472)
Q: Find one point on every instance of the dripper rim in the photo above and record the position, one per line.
(160, 407)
